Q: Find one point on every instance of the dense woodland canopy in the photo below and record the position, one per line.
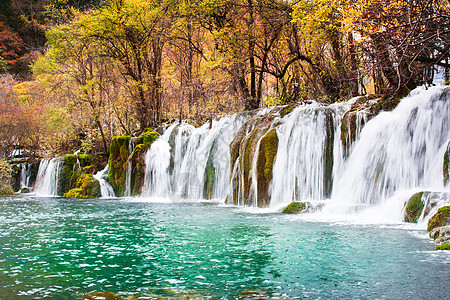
(77, 72)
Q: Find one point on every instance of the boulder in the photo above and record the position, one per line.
(414, 208)
(294, 208)
(87, 187)
(441, 218)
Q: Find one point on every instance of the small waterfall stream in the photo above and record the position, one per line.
(184, 158)
(398, 150)
(47, 182)
(309, 153)
(105, 188)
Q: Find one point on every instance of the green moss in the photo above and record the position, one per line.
(294, 208)
(85, 160)
(148, 137)
(443, 247)
(117, 163)
(138, 167)
(246, 161)
(287, 109)
(71, 172)
(6, 190)
(441, 218)
(445, 167)
(414, 208)
(268, 147)
(74, 193)
(210, 173)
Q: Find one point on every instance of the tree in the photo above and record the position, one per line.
(10, 48)
(404, 39)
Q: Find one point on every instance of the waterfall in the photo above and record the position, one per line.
(309, 153)
(398, 150)
(105, 188)
(47, 182)
(127, 192)
(25, 175)
(192, 163)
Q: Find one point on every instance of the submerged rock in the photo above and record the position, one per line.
(441, 218)
(294, 208)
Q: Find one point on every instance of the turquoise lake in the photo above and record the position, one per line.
(55, 248)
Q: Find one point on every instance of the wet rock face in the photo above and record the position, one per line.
(354, 120)
(414, 208)
(118, 157)
(441, 236)
(446, 165)
(253, 153)
(441, 218)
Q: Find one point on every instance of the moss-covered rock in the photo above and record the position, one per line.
(443, 247)
(446, 165)
(244, 150)
(87, 187)
(6, 190)
(285, 110)
(414, 208)
(74, 193)
(266, 157)
(138, 169)
(294, 208)
(149, 136)
(118, 157)
(209, 177)
(441, 218)
(74, 165)
(25, 190)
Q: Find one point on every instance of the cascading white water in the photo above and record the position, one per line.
(48, 177)
(176, 162)
(25, 175)
(105, 188)
(127, 192)
(398, 150)
(309, 153)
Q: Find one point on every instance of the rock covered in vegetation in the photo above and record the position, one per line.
(28, 165)
(441, 218)
(441, 236)
(73, 167)
(266, 157)
(446, 165)
(86, 187)
(209, 175)
(294, 208)
(118, 157)
(123, 150)
(138, 160)
(252, 154)
(414, 208)
(354, 120)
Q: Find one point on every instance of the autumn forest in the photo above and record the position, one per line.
(75, 73)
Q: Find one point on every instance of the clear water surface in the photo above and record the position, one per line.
(56, 248)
